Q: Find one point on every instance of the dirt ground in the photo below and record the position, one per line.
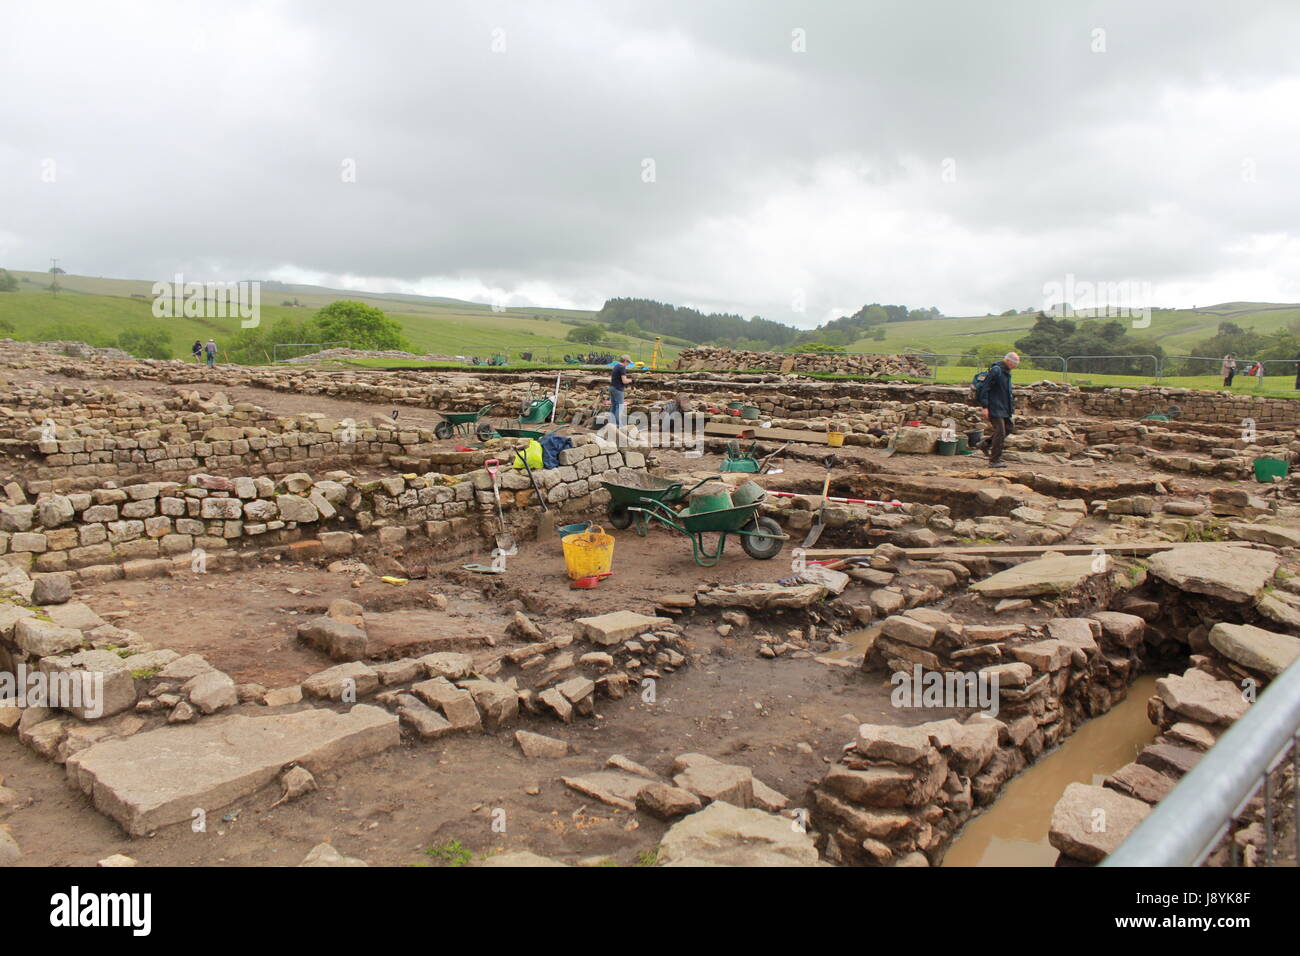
(785, 719)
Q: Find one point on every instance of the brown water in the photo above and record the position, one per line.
(1013, 831)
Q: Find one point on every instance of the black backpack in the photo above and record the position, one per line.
(979, 387)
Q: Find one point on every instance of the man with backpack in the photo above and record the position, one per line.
(993, 391)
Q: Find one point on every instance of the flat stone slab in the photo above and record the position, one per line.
(617, 626)
(765, 596)
(1089, 823)
(1056, 575)
(1255, 648)
(1141, 782)
(725, 835)
(1231, 573)
(609, 786)
(161, 777)
(1203, 699)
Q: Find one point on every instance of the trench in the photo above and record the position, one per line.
(1013, 830)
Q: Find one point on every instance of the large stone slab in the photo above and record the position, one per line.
(1088, 822)
(1255, 648)
(726, 835)
(1055, 575)
(161, 777)
(1222, 571)
(764, 596)
(1201, 698)
(617, 626)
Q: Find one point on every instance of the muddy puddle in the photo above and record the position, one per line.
(1013, 832)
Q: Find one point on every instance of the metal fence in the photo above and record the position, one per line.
(1187, 825)
(1146, 366)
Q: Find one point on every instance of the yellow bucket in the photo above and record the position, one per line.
(587, 553)
(835, 439)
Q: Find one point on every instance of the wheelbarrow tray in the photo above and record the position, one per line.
(725, 519)
(519, 433)
(657, 489)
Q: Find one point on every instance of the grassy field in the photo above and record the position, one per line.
(96, 310)
(1176, 330)
(1277, 386)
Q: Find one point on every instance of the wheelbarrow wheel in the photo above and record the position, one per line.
(443, 430)
(484, 431)
(762, 548)
(620, 516)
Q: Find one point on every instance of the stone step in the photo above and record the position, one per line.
(161, 777)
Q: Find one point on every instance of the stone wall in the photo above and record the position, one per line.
(165, 520)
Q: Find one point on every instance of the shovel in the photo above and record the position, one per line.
(893, 442)
(819, 523)
(764, 462)
(505, 540)
(545, 524)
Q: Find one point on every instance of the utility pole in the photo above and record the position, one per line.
(54, 276)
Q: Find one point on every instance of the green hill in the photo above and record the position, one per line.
(1177, 330)
(97, 310)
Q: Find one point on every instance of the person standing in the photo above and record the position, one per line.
(995, 396)
(1297, 373)
(1229, 369)
(1259, 374)
(618, 381)
(210, 350)
(198, 351)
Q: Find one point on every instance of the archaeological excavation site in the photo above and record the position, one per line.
(305, 615)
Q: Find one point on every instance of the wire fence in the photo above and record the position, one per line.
(1080, 369)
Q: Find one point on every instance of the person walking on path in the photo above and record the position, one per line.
(995, 396)
(618, 381)
(198, 351)
(210, 350)
(1229, 369)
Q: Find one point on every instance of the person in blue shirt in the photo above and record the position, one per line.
(995, 396)
(618, 381)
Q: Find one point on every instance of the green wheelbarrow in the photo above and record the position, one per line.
(465, 423)
(761, 537)
(623, 499)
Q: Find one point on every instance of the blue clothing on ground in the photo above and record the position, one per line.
(552, 445)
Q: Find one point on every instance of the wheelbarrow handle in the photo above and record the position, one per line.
(701, 482)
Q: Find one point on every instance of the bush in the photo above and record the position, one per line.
(815, 347)
(7, 281)
(361, 326)
(586, 334)
(146, 343)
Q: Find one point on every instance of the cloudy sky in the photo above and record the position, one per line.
(793, 160)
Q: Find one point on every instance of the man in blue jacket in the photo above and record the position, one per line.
(995, 396)
(618, 381)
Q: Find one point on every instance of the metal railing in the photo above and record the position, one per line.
(1187, 825)
(1111, 365)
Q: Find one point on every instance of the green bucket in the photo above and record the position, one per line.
(1270, 469)
(735, 404)
(710, 501)
(747, 494)
(963, 446)
(749, 413)
(946, 448)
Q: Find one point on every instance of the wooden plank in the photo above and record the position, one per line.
(765, 434)
(1019, 551)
